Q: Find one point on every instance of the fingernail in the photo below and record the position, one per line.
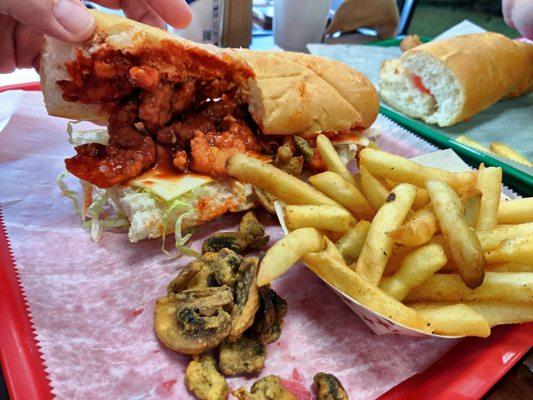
(74, 17)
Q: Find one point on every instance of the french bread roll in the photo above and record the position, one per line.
(447, 81)
(148, 85)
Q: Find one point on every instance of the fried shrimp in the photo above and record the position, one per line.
(127, 155)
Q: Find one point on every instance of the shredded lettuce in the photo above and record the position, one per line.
(182, 209)
(78, 138)
(93, 212)
(71, 194)
(97, 216)
(96, 222)
(91, 218)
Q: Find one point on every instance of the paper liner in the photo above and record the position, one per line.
(92, 303)
(380, 324)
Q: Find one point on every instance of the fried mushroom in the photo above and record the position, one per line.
(271, 388)
(226, 267)
(203, 379)
(246, 298)
(180, 282)
(210, 270)
(269, 318)
(250, 235)
(230, 240)
(251, 228)
(328, 387)
(245, 356)
(199, 274)
(194, 321)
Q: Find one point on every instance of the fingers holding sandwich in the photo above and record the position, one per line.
(154, 12)
(23, 23)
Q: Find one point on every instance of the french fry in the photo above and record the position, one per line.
(351, 244)
(351, 284)
(282, 185)
(331, 250)
(491, 239)
(495, 313)
(373, 145)
(375, 192)
(330, 218)
(462, 241)
(489, 183)
(471, 198)
(472, 143)
(395, 261)
(416, 268)
(514, 287)
(450, 264)
(332, 159)
(421, 198)
(357, 181)
(418, 229)
(454, 320)
(333, 236)
(516, 211)
(516, 250)
(400, 252)
(510, 153)
(509, 267)
(400, 169)
(503, 313)
(286, 252)
(378, 245)
(340, 190)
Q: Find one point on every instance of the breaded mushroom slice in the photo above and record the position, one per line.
(328, 387)
(203, 379)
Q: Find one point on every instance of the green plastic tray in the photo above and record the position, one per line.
(517, 179)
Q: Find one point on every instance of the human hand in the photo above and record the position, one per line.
(518, 14)
(23, 24)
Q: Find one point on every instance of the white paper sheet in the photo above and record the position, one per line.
(92, 304)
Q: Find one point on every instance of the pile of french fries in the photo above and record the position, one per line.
(432, 250)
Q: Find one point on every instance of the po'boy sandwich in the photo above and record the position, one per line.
(175, 111)
(447, 81)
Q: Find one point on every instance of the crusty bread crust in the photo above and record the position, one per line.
(299, 93)
(289, 93)
(489, 67)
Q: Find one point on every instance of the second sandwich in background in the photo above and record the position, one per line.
(447, 81)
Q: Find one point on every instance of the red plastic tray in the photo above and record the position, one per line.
(467, 371)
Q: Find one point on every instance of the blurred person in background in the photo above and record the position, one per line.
(518, 14)
(23, 24)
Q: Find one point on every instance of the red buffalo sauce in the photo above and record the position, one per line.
(103, 75)
(417, 81)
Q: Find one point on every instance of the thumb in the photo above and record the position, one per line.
(66, 20)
